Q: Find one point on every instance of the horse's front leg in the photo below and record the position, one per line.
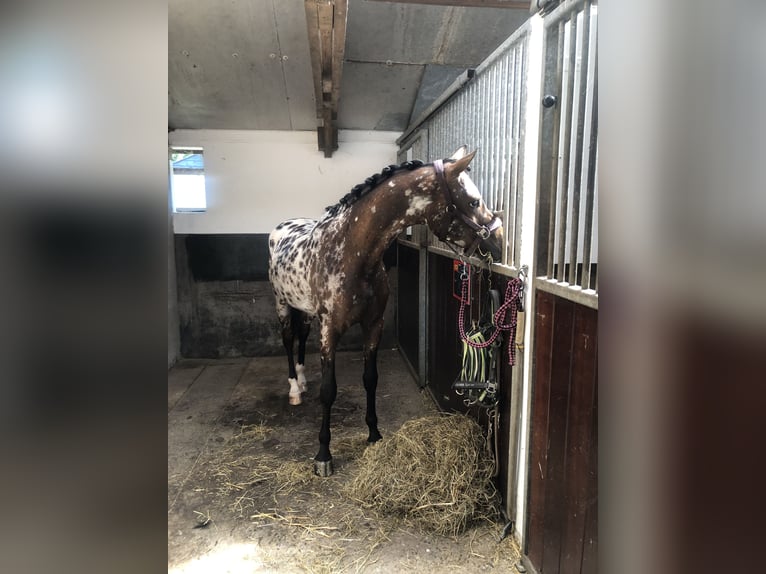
(372, 329)
(327, 393)
(370, 379)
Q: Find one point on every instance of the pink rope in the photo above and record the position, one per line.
(512, 302)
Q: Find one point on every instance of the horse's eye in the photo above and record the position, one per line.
(474, 203)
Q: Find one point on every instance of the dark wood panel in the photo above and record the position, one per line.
(562, 505)
(544, 320)
(578, 439)
(561, 372)
(408, 304)
(590, 537)
(444, 344)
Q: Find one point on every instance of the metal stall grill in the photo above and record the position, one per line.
(568, 245)
(488, 115)
(530, 109)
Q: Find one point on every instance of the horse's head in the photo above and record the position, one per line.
(467, 221)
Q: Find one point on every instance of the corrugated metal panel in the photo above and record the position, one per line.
(487, 115)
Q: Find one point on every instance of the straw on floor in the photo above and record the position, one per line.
(435, 472)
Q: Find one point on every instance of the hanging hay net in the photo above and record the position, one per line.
(435, 473)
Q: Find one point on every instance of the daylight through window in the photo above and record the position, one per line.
(188, 179)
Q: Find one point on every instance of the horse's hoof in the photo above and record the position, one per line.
(373, 438)
(295, 399)
(323, 468)
(301, 372)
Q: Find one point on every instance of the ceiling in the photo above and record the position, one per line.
(245, 64)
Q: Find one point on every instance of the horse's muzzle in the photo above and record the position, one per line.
(494, 244)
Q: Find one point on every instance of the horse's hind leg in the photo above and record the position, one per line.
(303, 333)
(287, 316)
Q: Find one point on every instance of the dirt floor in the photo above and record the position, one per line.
(241, 493)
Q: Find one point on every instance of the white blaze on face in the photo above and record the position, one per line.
(418, 205)
(471, 190)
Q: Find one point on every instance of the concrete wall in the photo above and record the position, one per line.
(254, 180)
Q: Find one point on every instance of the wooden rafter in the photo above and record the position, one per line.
(326, 24)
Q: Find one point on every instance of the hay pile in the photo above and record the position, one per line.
(434, 472)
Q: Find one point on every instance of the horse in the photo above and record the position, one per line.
(332, 268)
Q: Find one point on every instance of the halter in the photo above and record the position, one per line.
(482, 231)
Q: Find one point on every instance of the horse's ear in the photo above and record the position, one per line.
(460, 153)
(461, 164)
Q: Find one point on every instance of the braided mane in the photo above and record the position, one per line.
(371, 183)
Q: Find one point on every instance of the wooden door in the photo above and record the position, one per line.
(563, 466)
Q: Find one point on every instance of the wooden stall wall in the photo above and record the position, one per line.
(408, 307)
(563, 509)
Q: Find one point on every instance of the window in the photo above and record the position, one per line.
(188, 179)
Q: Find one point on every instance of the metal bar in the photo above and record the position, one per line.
(493, 143)
(520, 34)
(504, 176)
(502, 140)
(504, 147)
(483, 85)
(595, 202)
(562, 11)
(591, 136)
(554, 145)
(513, 208)
(564, 141)
(575, 293)
(495, 135)
(518, 188)
(578, 122)
(496, 268)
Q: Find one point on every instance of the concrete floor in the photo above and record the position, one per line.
(210, 402)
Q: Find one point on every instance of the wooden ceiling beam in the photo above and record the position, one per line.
(326, 25)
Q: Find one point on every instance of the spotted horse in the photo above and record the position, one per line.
(332, 268)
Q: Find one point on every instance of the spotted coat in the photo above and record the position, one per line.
(332, 268)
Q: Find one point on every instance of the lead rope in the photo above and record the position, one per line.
(513, 292)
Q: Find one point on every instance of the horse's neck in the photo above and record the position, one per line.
(376, 219)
